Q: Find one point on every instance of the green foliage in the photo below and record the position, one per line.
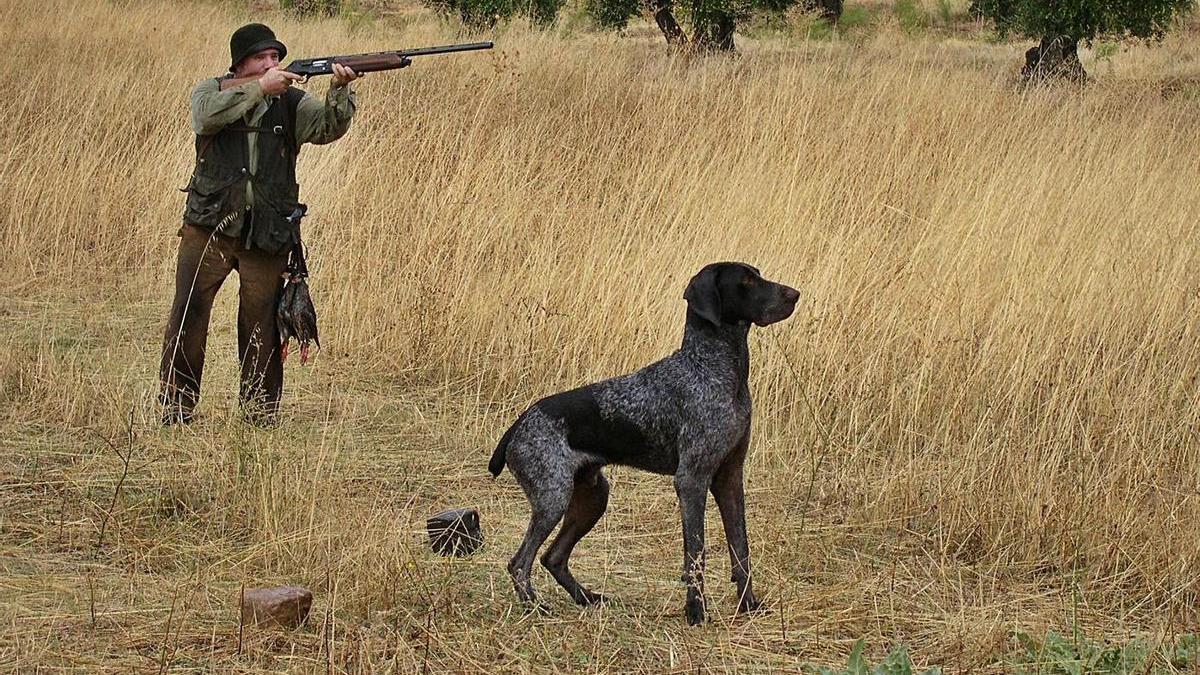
(475, 14)
(819, 29)
(945, 11)
(707, 13)
(312, 7)
(830, 10)
(612, 13)
(543, 12)
(896, 662)
(808, 26)
(484, 14)
(1083, 19)
(711, 21)
(359, 19)
(1186, 652)
(911, 16)
(1058, 654)
(1106, 50)
(766, 24)
(856, 17)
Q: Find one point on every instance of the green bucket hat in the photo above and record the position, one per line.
(251, 39)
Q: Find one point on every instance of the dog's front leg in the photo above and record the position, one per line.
(692, 491)
(731, 500)
(730, 495)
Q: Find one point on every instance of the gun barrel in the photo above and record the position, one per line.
(446, 49)
(375, 61)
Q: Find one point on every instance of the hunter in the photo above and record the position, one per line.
(250, 124)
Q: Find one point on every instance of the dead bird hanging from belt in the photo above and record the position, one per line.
(296, 315)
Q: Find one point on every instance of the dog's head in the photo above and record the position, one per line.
(732, 292)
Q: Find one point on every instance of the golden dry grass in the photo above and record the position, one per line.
(982, 418)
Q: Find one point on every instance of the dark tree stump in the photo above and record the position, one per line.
(1057, 57)
(455, 532)
(716, 35)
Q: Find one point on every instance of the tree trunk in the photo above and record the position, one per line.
(667, 23)
(715, 35)
(1057, 57)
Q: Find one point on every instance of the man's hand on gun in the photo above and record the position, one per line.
(276, 81)
(343, 75)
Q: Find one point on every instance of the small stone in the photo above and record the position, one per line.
(286, 606)
(455, 532)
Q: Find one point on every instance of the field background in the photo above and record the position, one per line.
(982, 418)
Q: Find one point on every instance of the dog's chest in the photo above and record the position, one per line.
(717, 419)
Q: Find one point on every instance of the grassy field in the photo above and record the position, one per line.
(982, 419)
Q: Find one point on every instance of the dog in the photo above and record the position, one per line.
(686, 416)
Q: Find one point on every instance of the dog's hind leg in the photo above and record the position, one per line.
(588, 502)
(548, 503)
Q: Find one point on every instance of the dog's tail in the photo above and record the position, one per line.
(498, 457)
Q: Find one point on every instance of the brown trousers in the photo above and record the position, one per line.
(205, 259)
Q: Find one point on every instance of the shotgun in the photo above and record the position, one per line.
(362, 63)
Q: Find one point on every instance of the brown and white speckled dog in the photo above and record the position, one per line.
(686, 416)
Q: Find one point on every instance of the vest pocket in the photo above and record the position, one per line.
(213, 202)
(271, 230)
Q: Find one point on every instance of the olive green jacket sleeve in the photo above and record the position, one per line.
(318, 121)
(324, 121)
(213, 109)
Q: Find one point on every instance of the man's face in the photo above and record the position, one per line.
(257, 63)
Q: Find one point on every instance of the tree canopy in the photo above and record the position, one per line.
(710, 22)
(1061, 25)
(1082, 20)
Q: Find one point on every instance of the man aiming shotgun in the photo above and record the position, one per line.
(362, 63)
(242, 211)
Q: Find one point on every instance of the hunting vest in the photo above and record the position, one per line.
(216, 194)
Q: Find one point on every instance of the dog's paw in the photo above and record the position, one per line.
(751, 605)
(537, 607)
(587, 598)
(695, 614)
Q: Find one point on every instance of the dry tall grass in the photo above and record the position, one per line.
(982, 418)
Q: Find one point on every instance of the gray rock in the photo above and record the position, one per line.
(286, 606)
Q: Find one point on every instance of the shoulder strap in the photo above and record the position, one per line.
(205, 143)
(291, 101)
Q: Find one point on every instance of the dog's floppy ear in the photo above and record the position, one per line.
(702, 295)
